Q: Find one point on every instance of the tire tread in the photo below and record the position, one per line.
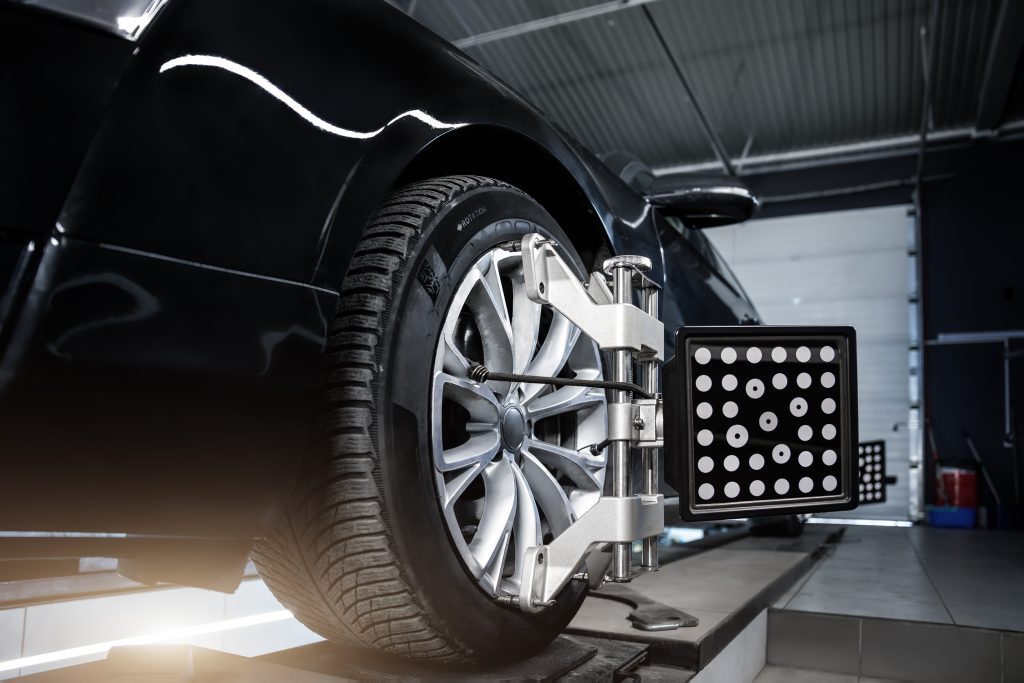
(332, 561)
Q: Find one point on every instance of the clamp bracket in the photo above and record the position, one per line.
(613, 326)
(549, 567)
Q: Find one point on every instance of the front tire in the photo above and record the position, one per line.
(369, 553)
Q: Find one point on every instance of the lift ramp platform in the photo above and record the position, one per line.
(725, 588)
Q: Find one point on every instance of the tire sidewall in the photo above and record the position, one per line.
(469, 226)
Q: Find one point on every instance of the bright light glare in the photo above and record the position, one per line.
(860, 522)
(147, 639)
(261, 81)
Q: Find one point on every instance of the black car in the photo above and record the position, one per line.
(249, 250)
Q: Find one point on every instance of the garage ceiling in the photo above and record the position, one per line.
(774, 78)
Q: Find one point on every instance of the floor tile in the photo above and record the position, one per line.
(933, 653)
(1013, 657)
(774, 673)
(886, 608)
(11, 633)
(741, 659)
(814, 641)
(1005, 616)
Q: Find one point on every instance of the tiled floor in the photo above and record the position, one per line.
(54, 627)
(773, 673)
(946, 576)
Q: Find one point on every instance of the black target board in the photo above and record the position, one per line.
(871, 472)
(762, 420)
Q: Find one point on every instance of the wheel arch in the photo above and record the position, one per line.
(522, 162)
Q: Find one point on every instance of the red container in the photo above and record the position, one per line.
(958, 487)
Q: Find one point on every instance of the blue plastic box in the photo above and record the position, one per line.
(951, 517)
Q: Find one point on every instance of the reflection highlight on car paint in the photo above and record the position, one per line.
(145, 305)
(290, 102)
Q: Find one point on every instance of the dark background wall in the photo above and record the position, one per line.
(974, 281)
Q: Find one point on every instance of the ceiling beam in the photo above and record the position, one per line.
(547, 22)
(1003, 56)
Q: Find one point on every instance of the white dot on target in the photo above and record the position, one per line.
(805, 433)
(730, 409)
(736, 436)
(706, 491)
(729, 355)
(779, 380)
(781, 486)
(798, 407)
(827, 354)
(828, 380)
(829, 483)
(779, 354)
(756, 461)
(803, 380)
(731, 490)
(805, 458)
(828, 406)
(803, 354)
(806, 485)
(702, 356)
(755, 388)
(828, 432)
(704, 410)
(829, 457)
(756, 487)
(705, 464)
(703, 383)
(729, 382)
(704, 437)
(753, 355)
(731, 463)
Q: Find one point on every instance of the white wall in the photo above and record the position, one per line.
(841, 268)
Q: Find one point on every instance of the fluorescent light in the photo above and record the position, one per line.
(860, 522)
(147, 639)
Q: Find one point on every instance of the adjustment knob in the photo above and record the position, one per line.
(641, 264)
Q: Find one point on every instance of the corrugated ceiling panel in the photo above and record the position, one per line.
(1015, 101)
(606, 80)
(781, 74)
(964, 33)
(457, 19)
(800, 73)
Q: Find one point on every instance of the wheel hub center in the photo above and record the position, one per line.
(513, 428)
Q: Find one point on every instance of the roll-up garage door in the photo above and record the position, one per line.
(842, 268)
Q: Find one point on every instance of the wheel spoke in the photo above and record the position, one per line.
(572, 464)
(549, 494)
(490, 543)
(564, 400)
(454, 362)
(554, 352)
(527, 525)
(454, 488)
(525, 328)
(484, 440)
(478, 449)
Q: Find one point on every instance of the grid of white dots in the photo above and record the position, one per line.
(736, 436)
(871, 483)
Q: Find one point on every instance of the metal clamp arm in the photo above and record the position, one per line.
(612, 325)
(549, 567)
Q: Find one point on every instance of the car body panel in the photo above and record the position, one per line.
(163, 345)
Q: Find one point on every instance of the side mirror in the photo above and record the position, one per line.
(706, 201)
